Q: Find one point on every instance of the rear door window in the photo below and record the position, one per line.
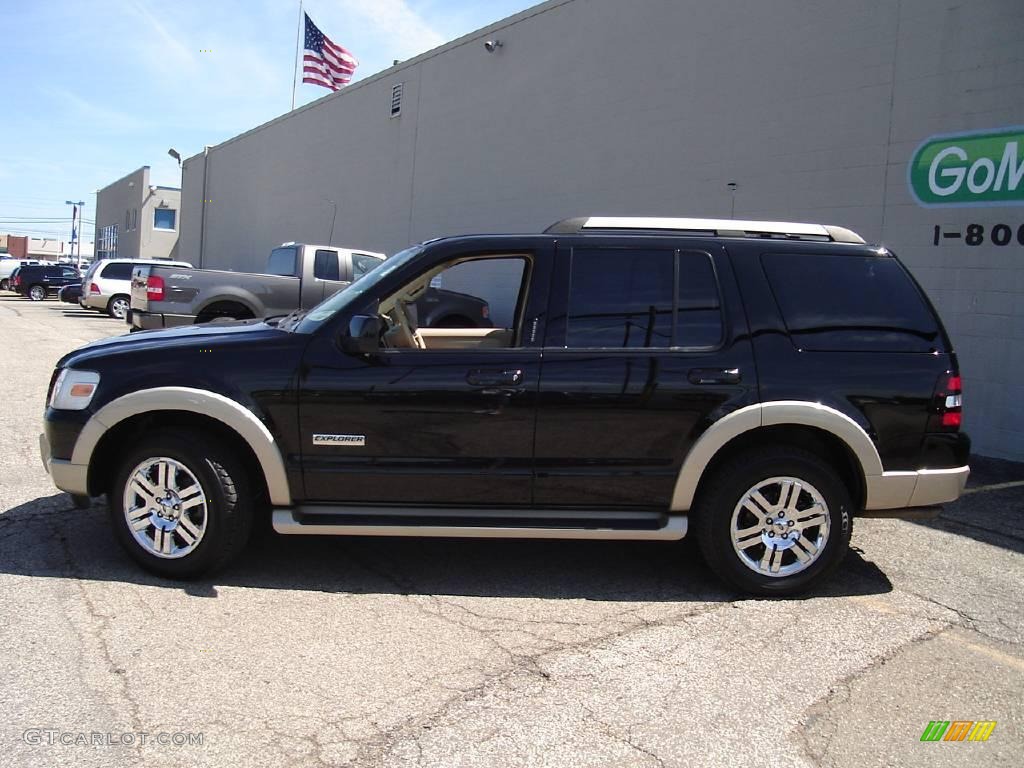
(325, 265)
(851, 303)
(630, 298)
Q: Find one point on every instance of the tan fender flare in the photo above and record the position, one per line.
(768, 414)
(225, 410)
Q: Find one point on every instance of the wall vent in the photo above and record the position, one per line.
(396, 99)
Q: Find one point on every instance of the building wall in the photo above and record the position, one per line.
(130, 203)
(814, 109)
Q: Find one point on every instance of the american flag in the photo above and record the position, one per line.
(323, 62)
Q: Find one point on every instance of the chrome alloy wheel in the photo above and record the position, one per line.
(37, 293)
(119, 308)
(165, 507)
(780, 526)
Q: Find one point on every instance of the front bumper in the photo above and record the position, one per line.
(142, 320)
(73, 478)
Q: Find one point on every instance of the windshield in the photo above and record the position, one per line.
(322, 312)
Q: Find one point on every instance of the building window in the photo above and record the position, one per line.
(135, 218)
(127, 219)
(396, 99)
(164, 218)
(108, 243)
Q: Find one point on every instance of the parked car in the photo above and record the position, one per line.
(298, 276)
(37, 282)
(71, 293)
(108, 284)
(7, 267)
(618, 399)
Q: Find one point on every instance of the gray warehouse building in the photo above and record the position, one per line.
(900, 119)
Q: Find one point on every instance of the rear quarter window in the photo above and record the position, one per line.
(851, 303)
(117, 271)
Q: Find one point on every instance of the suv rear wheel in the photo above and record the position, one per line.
(181, 511)
(37, 293)
(774, 522)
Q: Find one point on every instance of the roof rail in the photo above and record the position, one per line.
(786, 230)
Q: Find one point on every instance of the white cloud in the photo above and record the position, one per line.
(168, 47)
(396, 22)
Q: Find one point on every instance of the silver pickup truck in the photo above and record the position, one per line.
(299, 276)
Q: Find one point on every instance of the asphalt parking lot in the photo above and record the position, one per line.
(337, 652)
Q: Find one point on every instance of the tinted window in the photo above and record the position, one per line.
(119, 270)
(620, 298)
(68, 272)
(698, 308)
(325, 265)
(282, 262)
(630, 298)
(850, 303)
(361, 264)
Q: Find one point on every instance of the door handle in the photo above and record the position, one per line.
(715, 376)
(485, 378)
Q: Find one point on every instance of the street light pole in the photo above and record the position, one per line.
(77, 208)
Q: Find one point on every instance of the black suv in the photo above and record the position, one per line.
(39, 281)
(762, 381)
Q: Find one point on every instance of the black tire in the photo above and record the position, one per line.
(713, 514)
(229, 502)
(36, 292)
(118, 306)
(5, 284)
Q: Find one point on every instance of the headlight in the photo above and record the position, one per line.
(73, 389)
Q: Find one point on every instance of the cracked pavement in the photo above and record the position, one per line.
(366, 652)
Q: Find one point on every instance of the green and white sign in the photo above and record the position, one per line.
(969, 169)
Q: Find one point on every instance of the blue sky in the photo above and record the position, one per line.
(93, 90)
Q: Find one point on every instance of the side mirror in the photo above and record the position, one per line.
(363, 337)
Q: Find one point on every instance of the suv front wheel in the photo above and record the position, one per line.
(180, 504)
(775, 521)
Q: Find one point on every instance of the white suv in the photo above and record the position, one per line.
(107, 285)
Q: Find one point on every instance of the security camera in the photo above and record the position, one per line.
(492, 45)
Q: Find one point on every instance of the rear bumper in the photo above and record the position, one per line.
(141, 320)
(923, 488)
(73, 478)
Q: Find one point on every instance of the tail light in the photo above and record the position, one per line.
(947, 405)
(17, 280)
(155, 288)
(93, 288)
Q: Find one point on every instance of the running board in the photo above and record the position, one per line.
(376, 521)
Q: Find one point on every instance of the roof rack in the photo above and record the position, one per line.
(783, 230)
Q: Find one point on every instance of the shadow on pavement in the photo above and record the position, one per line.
(994, 516)
(48, 538)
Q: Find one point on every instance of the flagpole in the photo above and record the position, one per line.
(295, 61)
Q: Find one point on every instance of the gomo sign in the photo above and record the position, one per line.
(982, 168)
